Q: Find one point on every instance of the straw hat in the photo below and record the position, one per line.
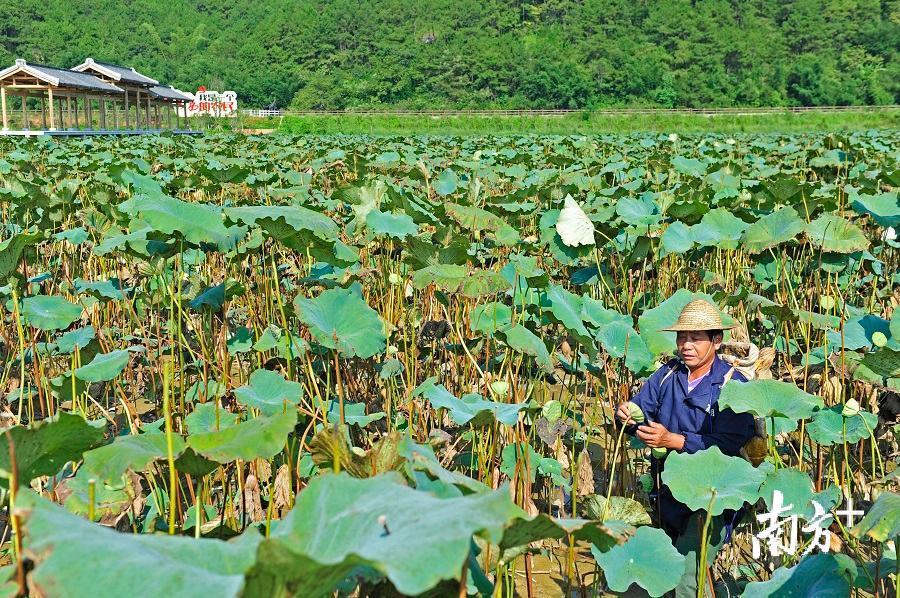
(699, 314)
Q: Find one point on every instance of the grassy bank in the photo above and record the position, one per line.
(579, 123)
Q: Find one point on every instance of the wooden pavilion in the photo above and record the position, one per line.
(93, 98)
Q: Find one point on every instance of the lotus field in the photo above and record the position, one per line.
(368, 366)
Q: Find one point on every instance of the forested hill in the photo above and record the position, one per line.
(482, 53)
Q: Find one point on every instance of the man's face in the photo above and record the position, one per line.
(696, 347)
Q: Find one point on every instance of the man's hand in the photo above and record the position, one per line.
(624, 414)
(655, 435)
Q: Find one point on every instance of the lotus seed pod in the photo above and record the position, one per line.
(851, 408)
(635, 412)
(756, 450)
(879, 339)
(500, 387)
(659, 452)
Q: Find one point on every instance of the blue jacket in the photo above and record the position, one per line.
(664, 398)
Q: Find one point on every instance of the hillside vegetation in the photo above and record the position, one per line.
(484, 53)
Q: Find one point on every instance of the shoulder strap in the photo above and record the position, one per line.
(671, 371)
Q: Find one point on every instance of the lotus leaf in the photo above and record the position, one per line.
(269, 392)
(816, 576)
(44, 447)
(694, 478)
(829, 427)
(58, 542)
(768, 398)
(104, 367)
(882, 522)
(259, 437)
(414, 539)
(471, 409)
(49, 312)
(647, 559)
(520, 339)
(833, 233)
(128, 453)
(340, 319)
(772, 229)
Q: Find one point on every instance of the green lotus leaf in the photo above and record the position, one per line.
(488, 318)
(259, 437)
(884, 362)
(858, 332)
(468, 282)
(11, 251)
(354, 414)
(58, 541)
(518, 338)
(76, 339)
(677, 238)
(240, 342)
(566, 308)
(296, 218)
(209, 417)
(689, 166)
(524, 531)
(269, 392)
(772, 229)
(694, 477)
(49, 312)
(109, 499)
(767, 398)
(196, 222)
(797, 490)
(413, 538)
(829, 427)
(882, 522)
(883, 207)
(833, 233)
(102, 289)
(621, 340)
(475, 219)
(648, 559)
(133, 452)
(638, 211)
(105, 366)
(446, 183)
(815, 576)
(595, 314)
(718, 228)
(398, 226)
(44, 447)
(664, 315)
(341, 319)
(471, 409)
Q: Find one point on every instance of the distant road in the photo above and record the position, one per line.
(599, 111)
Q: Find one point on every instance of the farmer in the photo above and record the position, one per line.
(681, 413)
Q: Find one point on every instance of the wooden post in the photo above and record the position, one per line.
(149, 113)
(169, 114)
(103, 113)
(88, 111)
(43, 113)
(3, 108)
(115, 114)
(137, 109)
(25, 126)
(50, 106)
(127, 125)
